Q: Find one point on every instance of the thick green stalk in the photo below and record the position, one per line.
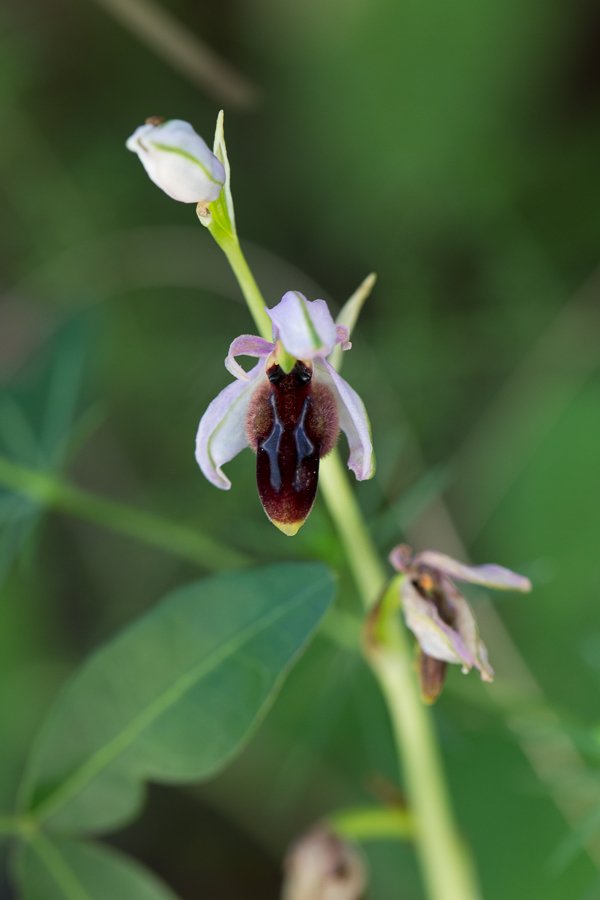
(445, 863)
(366, 566)
(230, 246)
(49, 491)
(444, 859)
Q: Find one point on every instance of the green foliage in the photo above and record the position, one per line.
(452, 148)
(59, 869)
(174, 696)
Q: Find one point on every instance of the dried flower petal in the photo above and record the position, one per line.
(488, 575)
(440, 617)
(435, 637)
(465, 624)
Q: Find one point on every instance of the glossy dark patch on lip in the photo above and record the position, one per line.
(292, 422)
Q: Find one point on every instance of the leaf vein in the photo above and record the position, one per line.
(114, 748)
(59, 869)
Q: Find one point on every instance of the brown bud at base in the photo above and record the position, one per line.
(432, 675)
(320, 866)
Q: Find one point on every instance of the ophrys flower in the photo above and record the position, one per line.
(289, 409)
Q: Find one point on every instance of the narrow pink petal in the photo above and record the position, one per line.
(354, 421)
(466, 625)
(489, 575)
(305, 328)
(222, 430)
(343, 336)
(246, 345)
(400, 557)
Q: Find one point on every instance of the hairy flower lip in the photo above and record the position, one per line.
(222, 431)
(291, 424)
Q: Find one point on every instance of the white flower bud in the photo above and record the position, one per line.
(178, 160)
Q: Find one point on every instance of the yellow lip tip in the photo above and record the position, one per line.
(289, 528)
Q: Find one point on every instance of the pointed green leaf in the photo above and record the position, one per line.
(222, 208)
(174, 696)
(349, 314)
(56, 869)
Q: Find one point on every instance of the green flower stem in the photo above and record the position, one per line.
(49, 491)
(366, 566)
(444, 859)
(371, 823)
(230, 246)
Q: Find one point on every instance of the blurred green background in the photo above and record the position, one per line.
(454, 149)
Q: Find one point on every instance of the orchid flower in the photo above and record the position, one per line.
(440, 617)
(178, 160)
(289, 409)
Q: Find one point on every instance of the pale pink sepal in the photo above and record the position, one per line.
(305, 327)
(353, 419)
(488, 575)
(222, 430)
(246, 345)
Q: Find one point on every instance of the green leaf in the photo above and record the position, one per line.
(223, 206)
(174, 696)
(349, 314)
(56, 869)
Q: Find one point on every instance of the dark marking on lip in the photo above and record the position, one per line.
(304, 446)
(272, 445)
(291, 423)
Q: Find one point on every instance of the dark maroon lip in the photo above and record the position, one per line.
(291, 423)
